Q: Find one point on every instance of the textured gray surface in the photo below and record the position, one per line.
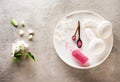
(42, 16)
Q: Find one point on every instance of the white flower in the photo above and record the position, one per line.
(66, 24)
(59, 35)
(19, 45)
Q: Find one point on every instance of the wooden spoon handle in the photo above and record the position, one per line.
(79, 28)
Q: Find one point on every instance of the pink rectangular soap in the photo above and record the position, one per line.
(79, 56)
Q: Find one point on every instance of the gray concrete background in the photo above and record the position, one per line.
(42, 16)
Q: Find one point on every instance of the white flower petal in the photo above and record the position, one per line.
(19, 44)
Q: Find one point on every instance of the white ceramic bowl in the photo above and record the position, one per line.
(63, 43)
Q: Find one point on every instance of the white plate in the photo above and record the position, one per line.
(63, 43)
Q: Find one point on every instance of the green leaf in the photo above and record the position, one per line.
(14, 22)
(15, 59)
(18, 55)
(30, 55)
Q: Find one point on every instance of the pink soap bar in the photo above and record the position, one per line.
(82, 59)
